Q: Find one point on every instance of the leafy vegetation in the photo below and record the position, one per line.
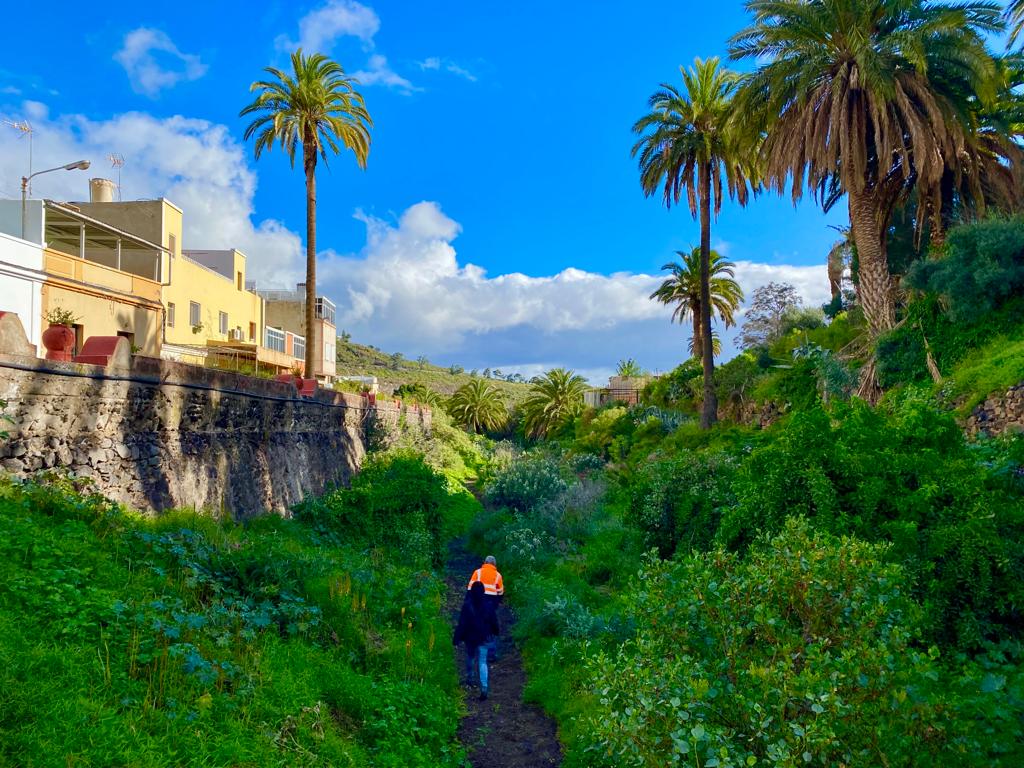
(315, 641)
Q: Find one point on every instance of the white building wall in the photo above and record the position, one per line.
(21, 282)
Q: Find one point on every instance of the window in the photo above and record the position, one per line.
(238, 280)
(252, 331)
(170, 314)
(194, 312)
(172, 244)
(325, 309)
(224, 323)
(299, 347)
(274, 339)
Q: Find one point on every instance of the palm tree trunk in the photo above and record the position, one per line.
(709, 413)
(874, 281)
(697, 348)
(309, 164)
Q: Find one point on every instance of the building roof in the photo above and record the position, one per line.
(67, 212)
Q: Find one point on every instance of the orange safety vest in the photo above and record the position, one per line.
(491, 579)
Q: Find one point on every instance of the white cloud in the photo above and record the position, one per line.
(407, 290)
(436, 63)
(139, 56)
(321, 28)
(378, 72)
(811, 282)
(455, 69)
(196, 164)
(10, 90)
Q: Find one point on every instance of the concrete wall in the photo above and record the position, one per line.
(163, 434)
(10, 219)
(21, 279)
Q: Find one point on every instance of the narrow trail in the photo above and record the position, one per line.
(503, 731)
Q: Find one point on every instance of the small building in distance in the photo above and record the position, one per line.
(286, 313)
(620, 389)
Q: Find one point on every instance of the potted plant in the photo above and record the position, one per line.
(59, 338)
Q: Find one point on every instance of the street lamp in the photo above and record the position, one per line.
(78, 165)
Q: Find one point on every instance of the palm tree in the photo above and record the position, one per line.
(863, 97)
(555, 399)
(479, 406)
(690, 141)
(318, 107)
(1015, 19)
(629, 369)
(683, 289)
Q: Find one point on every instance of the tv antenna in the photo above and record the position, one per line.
(26, 130)
(117, 161)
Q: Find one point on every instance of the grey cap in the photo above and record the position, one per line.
(490, 560)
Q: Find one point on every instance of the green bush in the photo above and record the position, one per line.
(526, 483)
(804, 653)
(983, 266)
(677, 501)
(908, 478)
(396, 500)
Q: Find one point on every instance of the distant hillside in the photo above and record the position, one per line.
(394, 370)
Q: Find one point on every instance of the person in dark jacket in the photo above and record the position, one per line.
(478, 624)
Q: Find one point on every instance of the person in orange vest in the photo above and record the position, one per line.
(494, 589)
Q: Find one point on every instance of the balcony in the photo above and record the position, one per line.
(71, 233)
(91, 273)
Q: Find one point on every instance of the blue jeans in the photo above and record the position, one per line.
(478, 656)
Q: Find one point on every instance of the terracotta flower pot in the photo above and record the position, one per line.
(59, 340)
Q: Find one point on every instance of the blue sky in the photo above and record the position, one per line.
(502, 140)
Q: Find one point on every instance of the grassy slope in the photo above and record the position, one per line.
(989, 370)
(132, 641)
(359, 360)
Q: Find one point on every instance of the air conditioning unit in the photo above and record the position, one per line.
(236, 334)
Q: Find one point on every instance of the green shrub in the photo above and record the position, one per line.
(396, 500)
(983, 266)
(678, 501)
(907, 478)
(805, 653)
(526, 483)
(184, 640)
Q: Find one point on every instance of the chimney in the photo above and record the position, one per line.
(101, 191)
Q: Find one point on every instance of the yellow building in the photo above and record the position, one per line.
(209, 315)
(207, 302)
(108, 277)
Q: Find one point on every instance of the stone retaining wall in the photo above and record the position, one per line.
(999, 413)
(161, 434)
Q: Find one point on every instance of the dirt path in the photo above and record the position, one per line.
(501, 732)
